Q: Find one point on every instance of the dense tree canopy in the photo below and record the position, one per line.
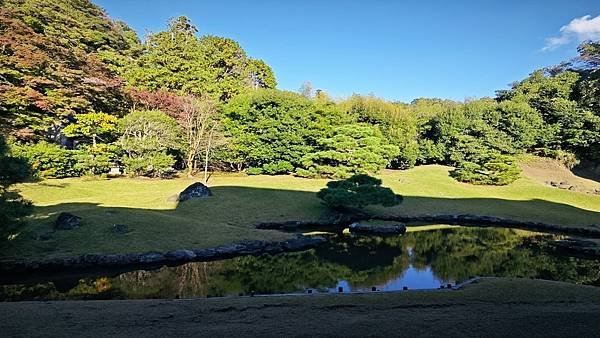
(488, 168)
(352, 148)
(92, 126)
(177, 60)
(51, 64)
(69, 75)
(397, 123)
(268, 127)
(567, 123)
(149, 138)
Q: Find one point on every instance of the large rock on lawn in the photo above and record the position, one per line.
(196, 190)
(67, 221)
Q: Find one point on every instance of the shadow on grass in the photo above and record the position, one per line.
(588, 170)
(229, 216)
(536, 210)
(241, 207)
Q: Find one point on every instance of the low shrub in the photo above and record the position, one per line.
(306, 173)
(357, 191)
(277, 168)
(488, 169)
(280, 167)
(96, 160)
(152, 164)
(254, 171)
(12, 205)
(48, 160)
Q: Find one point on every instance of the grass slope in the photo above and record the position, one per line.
(491, 307)
(545, 170)
(429, 189)
(158, 223)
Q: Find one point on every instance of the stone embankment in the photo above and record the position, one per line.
(592, 230)
(90, 261)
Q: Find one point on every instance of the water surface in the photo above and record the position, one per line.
(416, 260)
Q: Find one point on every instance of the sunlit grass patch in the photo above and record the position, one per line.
(158, 222)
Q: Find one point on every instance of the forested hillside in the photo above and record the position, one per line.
(81, 94)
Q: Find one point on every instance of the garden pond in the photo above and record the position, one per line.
(347, 263)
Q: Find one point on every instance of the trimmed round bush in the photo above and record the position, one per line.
(254, 171)
(358, 191)
(279, 167)
(154, 164)
(488, 169)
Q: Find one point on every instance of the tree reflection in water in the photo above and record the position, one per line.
(358, 263)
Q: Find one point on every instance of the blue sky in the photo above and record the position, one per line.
(399, 50)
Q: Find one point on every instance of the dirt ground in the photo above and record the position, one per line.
(551, 172)
(489, 307)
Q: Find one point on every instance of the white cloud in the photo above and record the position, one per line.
(579, 29)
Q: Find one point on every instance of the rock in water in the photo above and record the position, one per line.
(196, 190)
(397, 229)
(67, 221)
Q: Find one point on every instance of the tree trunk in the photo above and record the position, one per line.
(190, 164)
(206, 154)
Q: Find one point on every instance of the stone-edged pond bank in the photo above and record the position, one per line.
(592, 230)
(88, 261)
(582, 246)
(301, 242)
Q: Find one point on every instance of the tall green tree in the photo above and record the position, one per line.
(522, 123)
(568, 125)
(455, 135)
(179, 61)
(396, 122)
(149, 138)
(268, 127)
(352, 149)
(587, 65)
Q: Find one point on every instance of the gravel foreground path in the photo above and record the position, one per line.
(488, 307)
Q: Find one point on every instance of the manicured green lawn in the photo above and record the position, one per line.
(158, 223)
(429, 189)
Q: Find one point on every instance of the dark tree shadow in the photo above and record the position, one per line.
(229, 216)
(536, 210)
(588, 170)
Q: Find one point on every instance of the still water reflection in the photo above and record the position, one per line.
(416, 260)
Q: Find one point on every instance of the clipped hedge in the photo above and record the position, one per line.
(488, 169)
